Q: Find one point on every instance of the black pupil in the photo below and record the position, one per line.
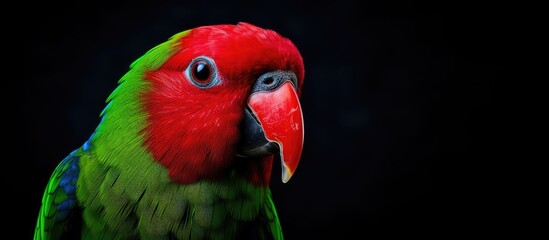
(201, 71)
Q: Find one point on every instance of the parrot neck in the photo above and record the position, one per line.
(118, 139)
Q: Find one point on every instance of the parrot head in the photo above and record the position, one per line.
(218, 100)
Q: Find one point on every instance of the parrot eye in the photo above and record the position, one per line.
(202, 72)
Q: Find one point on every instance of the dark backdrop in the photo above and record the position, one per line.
(402, 134)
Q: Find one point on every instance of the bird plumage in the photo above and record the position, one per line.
(163, 163)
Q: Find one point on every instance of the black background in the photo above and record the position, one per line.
(404, 135)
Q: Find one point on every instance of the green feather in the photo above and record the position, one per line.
(50, 225)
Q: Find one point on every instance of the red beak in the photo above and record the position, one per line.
(279, 113)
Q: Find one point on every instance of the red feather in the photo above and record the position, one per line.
(194, 132)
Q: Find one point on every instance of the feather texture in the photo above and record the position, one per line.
(56, 218)
(162, 162)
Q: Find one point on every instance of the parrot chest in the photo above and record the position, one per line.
(121, 204)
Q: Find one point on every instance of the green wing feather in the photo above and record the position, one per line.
(58, 202)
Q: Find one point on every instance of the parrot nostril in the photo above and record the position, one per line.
(271, 80)
(268, 81)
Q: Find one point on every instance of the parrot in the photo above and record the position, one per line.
(185, 143)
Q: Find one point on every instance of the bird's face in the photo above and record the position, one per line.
(229, 93)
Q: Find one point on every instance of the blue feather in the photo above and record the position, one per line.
(68, 185)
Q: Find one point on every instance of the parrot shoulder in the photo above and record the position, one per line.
(59, 205)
